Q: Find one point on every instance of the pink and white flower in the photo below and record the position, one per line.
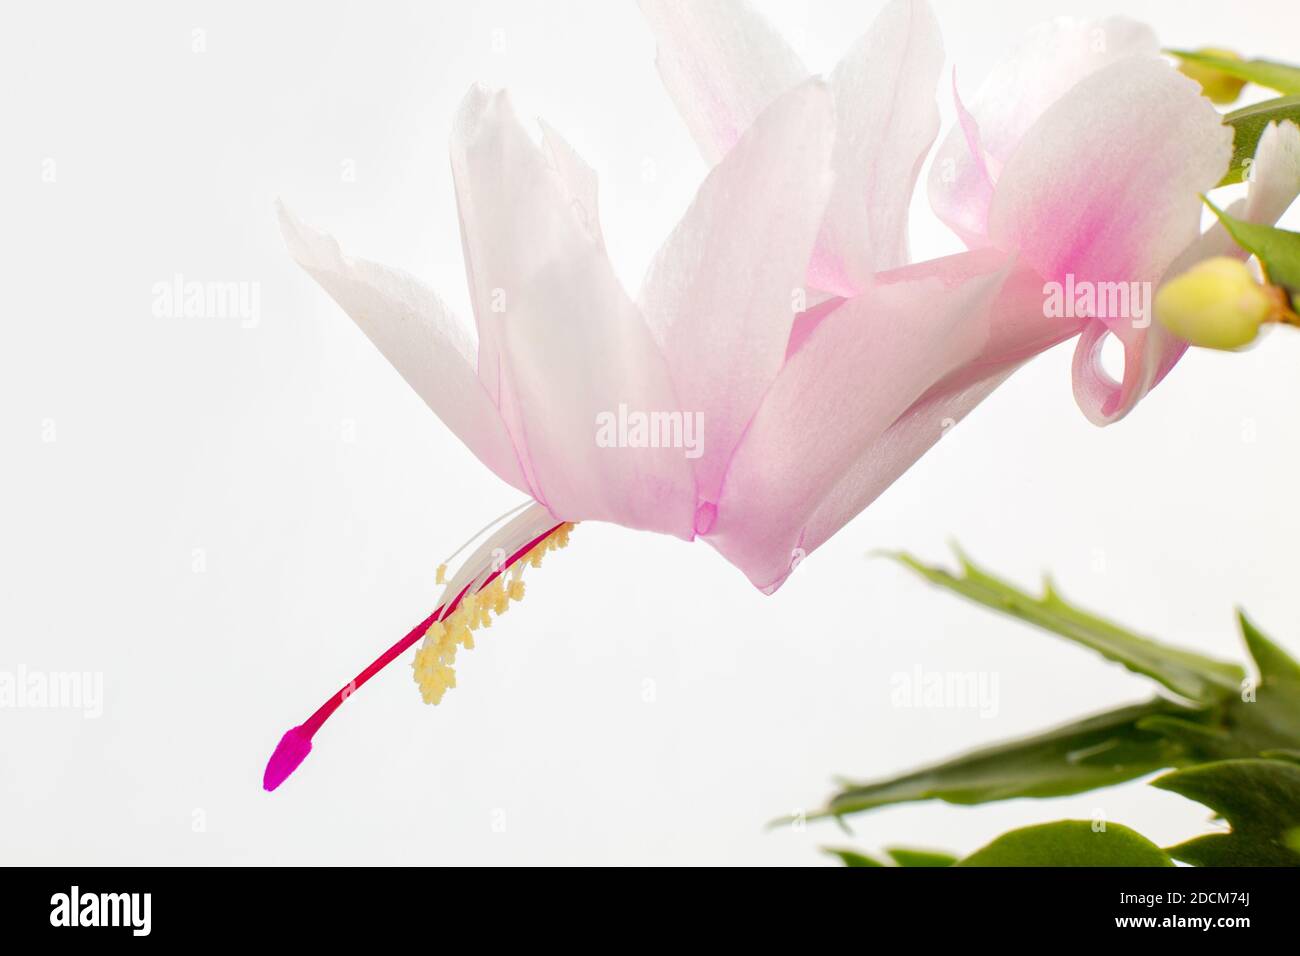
(1086, 154)
(1073, 159)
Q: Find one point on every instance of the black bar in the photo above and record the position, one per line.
(267, 904)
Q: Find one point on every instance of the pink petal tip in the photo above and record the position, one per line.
(292, 750)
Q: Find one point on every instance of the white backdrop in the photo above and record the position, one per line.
(227, 522)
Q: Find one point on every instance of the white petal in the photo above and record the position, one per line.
(518, 211)
(886, 121)
(1274, 184)
(523, 209)
(579, 179)
(571, 346)
(412, 328)
(722, 63)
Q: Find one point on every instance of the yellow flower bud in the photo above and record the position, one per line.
(1217, 304)
(1217, 85)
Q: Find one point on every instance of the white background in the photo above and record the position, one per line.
(172, 435)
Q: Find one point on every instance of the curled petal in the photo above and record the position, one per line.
(1107, 190)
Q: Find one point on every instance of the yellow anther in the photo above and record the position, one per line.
(442, 575)
(433, 664)
(494, 597)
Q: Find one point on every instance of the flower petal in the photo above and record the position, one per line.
(1052, 58)
(722, 64)
(1016, 328)
(579, 356)
(1018, 325)
(720, 292)
(518, 209)
(1106, 189)
(579, 179)
(412, 328)
(961, 185)
(1275, 174)
(914, 433)
(569, 344)
(1272, 186)
(522, 209)
(860, 369)
(1108, 186)
(886, 122)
